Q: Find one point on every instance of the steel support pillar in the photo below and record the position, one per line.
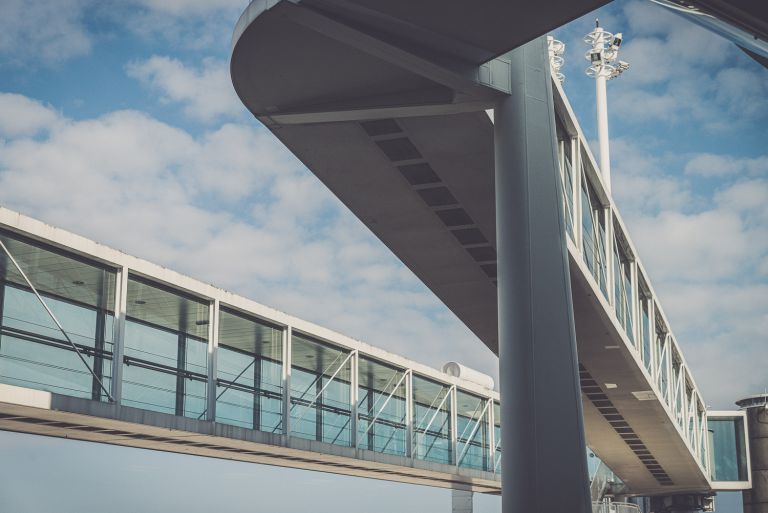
(542, 428)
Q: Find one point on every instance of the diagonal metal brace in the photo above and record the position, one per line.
(56, 321)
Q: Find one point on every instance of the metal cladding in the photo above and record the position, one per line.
(756, 499)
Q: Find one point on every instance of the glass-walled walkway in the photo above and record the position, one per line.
(90, 327)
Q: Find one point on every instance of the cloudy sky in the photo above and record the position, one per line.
(118, 122)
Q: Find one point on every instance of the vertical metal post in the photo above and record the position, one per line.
(287, 336)
(610, 265)
(542, 424)
(98, 358)
(181, 364)
(409, 413)
(491, 437)
(213, 349)
(353, 397)
(652, 337)
(454, 427)
(634, 303)
(577, 177)
(118, 350)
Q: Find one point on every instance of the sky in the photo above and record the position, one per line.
(118, 122)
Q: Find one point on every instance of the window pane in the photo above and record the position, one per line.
(34, 352)
(432, 421)
(320, 391)
(728, 448)
(166, 350)
(249, 375)
(381, 408)
(472, 431)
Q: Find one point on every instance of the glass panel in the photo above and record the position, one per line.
(646, 327)
(497, 437)
(320, 391)
(728, 448)
(593, 234)
(622, 287)
(567, 182)
(166, 350)
(34, 352)
(432, 421)
(662, 358)
(381, 408)
(677, 369)
(249, 373)
(472, 431)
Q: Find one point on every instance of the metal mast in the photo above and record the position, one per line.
(604, 65)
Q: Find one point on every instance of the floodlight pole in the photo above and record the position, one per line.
(602, 129)
(603, 57)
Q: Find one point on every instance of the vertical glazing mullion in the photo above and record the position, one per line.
(98, 354)
(610, 267)
(652, 337)
(257, 391)
(454, 426)
(213, 350)
(634, 303)
(353, 397)
(491, 449)
(286, 380)
(118, 349)
(181, 357)
(409, 413)
(575, 193)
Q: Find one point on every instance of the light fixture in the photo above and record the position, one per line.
(612, 347)
(140, 302)
(201, 323)
(78, 282)
(611, 385)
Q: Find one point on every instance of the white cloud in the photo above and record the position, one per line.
(711, 165)
(206, 93)
(137, 184)
(46, 33)
(192, 7)
(20, 116)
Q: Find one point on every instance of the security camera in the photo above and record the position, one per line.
(616, 43)
(623, 65)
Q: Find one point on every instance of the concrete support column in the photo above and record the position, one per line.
(542, 425)
(461, 501)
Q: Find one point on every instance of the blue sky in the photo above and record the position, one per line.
(118, 122)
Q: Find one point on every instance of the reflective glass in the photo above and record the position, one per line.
(728, 448)
(593, 234)
(472, 430)
(34, 352)
(565, 148)
(320, 391)
(663, 359)
(432, 421)
(166, 350)
(646, 328)
(249, 373)
(381, 407)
